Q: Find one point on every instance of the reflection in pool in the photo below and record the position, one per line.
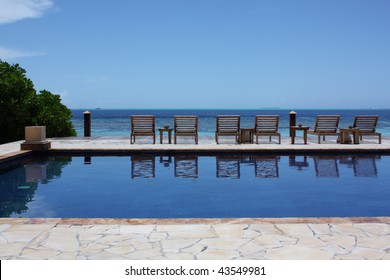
(197, 186)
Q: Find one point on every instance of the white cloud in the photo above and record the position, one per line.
(9, 54)
(14, 10)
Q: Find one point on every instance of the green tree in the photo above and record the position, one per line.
(49, 111)
(21, 106)
(16, 96)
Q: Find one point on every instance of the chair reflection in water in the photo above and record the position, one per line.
(266, 166)
(186, 166)
(365, 166)
(142, 167)
(326, 166)
(300, 164)
(228, 167)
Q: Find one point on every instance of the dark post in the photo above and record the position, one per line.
(293, 121)
(87, 124)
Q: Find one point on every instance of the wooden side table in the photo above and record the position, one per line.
(167, 129)
(346, 139)
(301, 128)
(246, 135)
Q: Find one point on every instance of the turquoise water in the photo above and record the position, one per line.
(117, 122)
(192, 186)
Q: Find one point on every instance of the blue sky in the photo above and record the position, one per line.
(203, 53)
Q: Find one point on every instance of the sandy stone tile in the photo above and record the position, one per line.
(312, 242)
(261, 255)
(62, 241)
(20, 236)
(64, 256)
(271, 240)
(144, 254)
(368, 254)
(192, 234)
(11, 249)
(347, 229)
(249, 233)
(194, 249)
(186, 228)
(290, 252)
(137, 229)
(177, 244)
(113, 239)
(120, 250)
(346, 242)
(158, 235)
(348, 257)
(265, 229)
(295, 230)
(215, 254)
(335, 249)
(379, 242)
(141, 243)
(4, 227)
(39, 254)
(95, 246)
(320, 229)
(375, 228)
(41, 238)
(250, 248)
(386, 257)
(228, 244)
(31, 227)
(229, 230)
(3, 240)
(105, 256)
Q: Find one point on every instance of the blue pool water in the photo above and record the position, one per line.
(197, 186)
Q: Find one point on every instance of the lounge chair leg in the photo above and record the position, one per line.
(380, 139)
(279, 138)
(174, 139)
(319, 138)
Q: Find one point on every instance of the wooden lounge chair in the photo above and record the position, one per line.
(325, 125)
(186, 126)
(266, 125)
(367, 126)
(142, 125)
(228, 125)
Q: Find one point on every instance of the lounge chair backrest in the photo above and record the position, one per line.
(366, 123)
(186, 124)
(266, 123)
(327, 123)
(143, 124)
(228, 124)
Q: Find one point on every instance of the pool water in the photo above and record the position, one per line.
(197, 186)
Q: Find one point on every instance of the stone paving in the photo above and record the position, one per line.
(222, 239)
(205, 240)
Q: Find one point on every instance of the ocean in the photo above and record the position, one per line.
(116, 122)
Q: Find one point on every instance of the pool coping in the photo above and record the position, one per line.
(191, 221)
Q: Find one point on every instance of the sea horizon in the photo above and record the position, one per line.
(116, 122)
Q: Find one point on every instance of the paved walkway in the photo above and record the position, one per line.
(367, 238)
(238, 239)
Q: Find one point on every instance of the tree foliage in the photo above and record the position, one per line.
(21, 106)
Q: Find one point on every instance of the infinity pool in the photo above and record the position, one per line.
(197, 186)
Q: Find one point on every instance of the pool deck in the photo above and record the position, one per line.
(222, 239)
